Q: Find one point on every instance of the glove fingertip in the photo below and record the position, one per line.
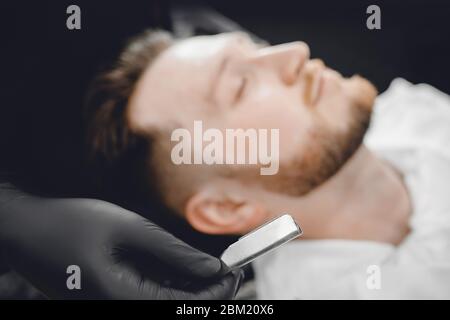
(232, 283)
(209, 268)
(224, 268)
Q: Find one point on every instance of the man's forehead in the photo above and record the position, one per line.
(171, 77)
(201, 48)
(182, 72)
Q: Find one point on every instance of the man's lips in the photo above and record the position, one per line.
(316, 87)
(321, 77)
(313, 86)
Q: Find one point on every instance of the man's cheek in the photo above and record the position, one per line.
(287, 122)
(361, 91)
(292, 143)
(334, 111)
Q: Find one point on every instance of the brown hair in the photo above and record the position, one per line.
(116, 155)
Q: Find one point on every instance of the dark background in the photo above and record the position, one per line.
(46, 68)
(414, 40)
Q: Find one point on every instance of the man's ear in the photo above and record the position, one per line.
(221, 212)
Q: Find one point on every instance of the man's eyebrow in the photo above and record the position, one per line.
(217, 75)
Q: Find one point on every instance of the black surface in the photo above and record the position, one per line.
(414, 40)
(47, 69)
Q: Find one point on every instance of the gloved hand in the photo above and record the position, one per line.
(120, 254)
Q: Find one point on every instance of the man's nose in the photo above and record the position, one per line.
(287, 60)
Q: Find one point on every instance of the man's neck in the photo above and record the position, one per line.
(365, 200)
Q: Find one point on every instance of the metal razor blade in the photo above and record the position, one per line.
(263, 239)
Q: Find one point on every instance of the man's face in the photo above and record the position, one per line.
(227, 81)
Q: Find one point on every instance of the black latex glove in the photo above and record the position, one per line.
(121, 255)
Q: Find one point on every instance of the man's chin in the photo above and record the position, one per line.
(364, 92)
